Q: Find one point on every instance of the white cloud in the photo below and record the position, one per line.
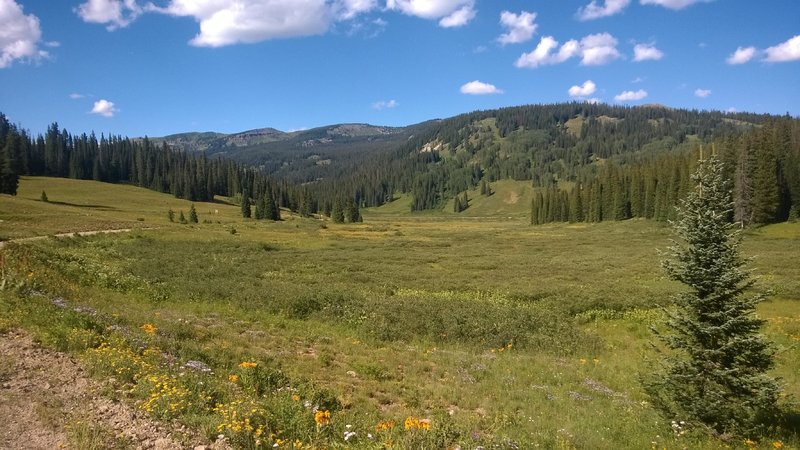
(348, 9)
(545, 53)
(385, 104)
(520, 27)
(104, 108)
(586, 89)
(672, 4)
(459, 18)
(594, 50)
(19, 35)
(731, 110)
(645, 52)
(452, 13)
(479, 88)
(702, 93)
(741, 55)
(76, 96)
(598, 49)
(628, 96)
(227, 22)
(114, 13)
(785, 51)
(595, 11)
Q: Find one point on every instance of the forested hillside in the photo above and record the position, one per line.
(587, 162)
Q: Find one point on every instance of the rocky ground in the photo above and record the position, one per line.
(47, 401)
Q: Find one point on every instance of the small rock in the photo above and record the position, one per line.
(200, 447)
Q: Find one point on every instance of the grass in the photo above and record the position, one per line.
(497, 332)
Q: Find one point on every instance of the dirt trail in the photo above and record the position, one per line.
(79, 233)
(44, 391)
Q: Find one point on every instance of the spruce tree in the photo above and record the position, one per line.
(247, 211)
(270, 209)
(337, 212)
(192, 214)
(182, 218)
(715, 371)
(170, 212)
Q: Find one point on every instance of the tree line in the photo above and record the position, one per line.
(763, 166)
(140, 162)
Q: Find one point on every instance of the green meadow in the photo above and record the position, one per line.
(434, 330)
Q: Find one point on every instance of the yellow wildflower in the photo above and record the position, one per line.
(247, 364)
(295, 397)
(233, 378)
(777, 444)
(322, 418)
(384, 425)
(149, 328)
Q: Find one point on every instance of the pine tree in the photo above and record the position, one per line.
(247, 211)
(9, 164)
(715, 372)
(44, 198)
(192, 214)
(170, 213)
(182, 218)
(337, 212)
(351, 212)
(271, 211)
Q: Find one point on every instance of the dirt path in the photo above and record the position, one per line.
(43, 392)
(79, 233)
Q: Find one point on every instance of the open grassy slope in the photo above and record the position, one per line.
(500, 333)
(76, 205)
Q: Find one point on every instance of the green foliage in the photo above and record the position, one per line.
(337, 212)
(716, 373)
(246, 210)
(171, 215)
(192, 214)
(182, 218)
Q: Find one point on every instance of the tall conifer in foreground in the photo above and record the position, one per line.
(715, 374)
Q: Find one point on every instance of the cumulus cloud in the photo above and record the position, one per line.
(785, 51)
(627, 96)
(451, 13)
(19, 35)
(594, 50)
(741, 55)
(598, 49)
(702, 93)
(104, 108)
(459, 18)
(227, 22)
(672, 4)
(586, 89)
(645, 52)
(520, 27)
(595, 11)
(113, 13)
(480, 88)
(385, 104)
(547, 52)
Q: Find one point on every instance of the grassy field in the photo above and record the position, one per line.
(416, 331)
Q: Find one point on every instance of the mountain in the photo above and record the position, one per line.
(297, 156)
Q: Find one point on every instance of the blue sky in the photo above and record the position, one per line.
(156, 67)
